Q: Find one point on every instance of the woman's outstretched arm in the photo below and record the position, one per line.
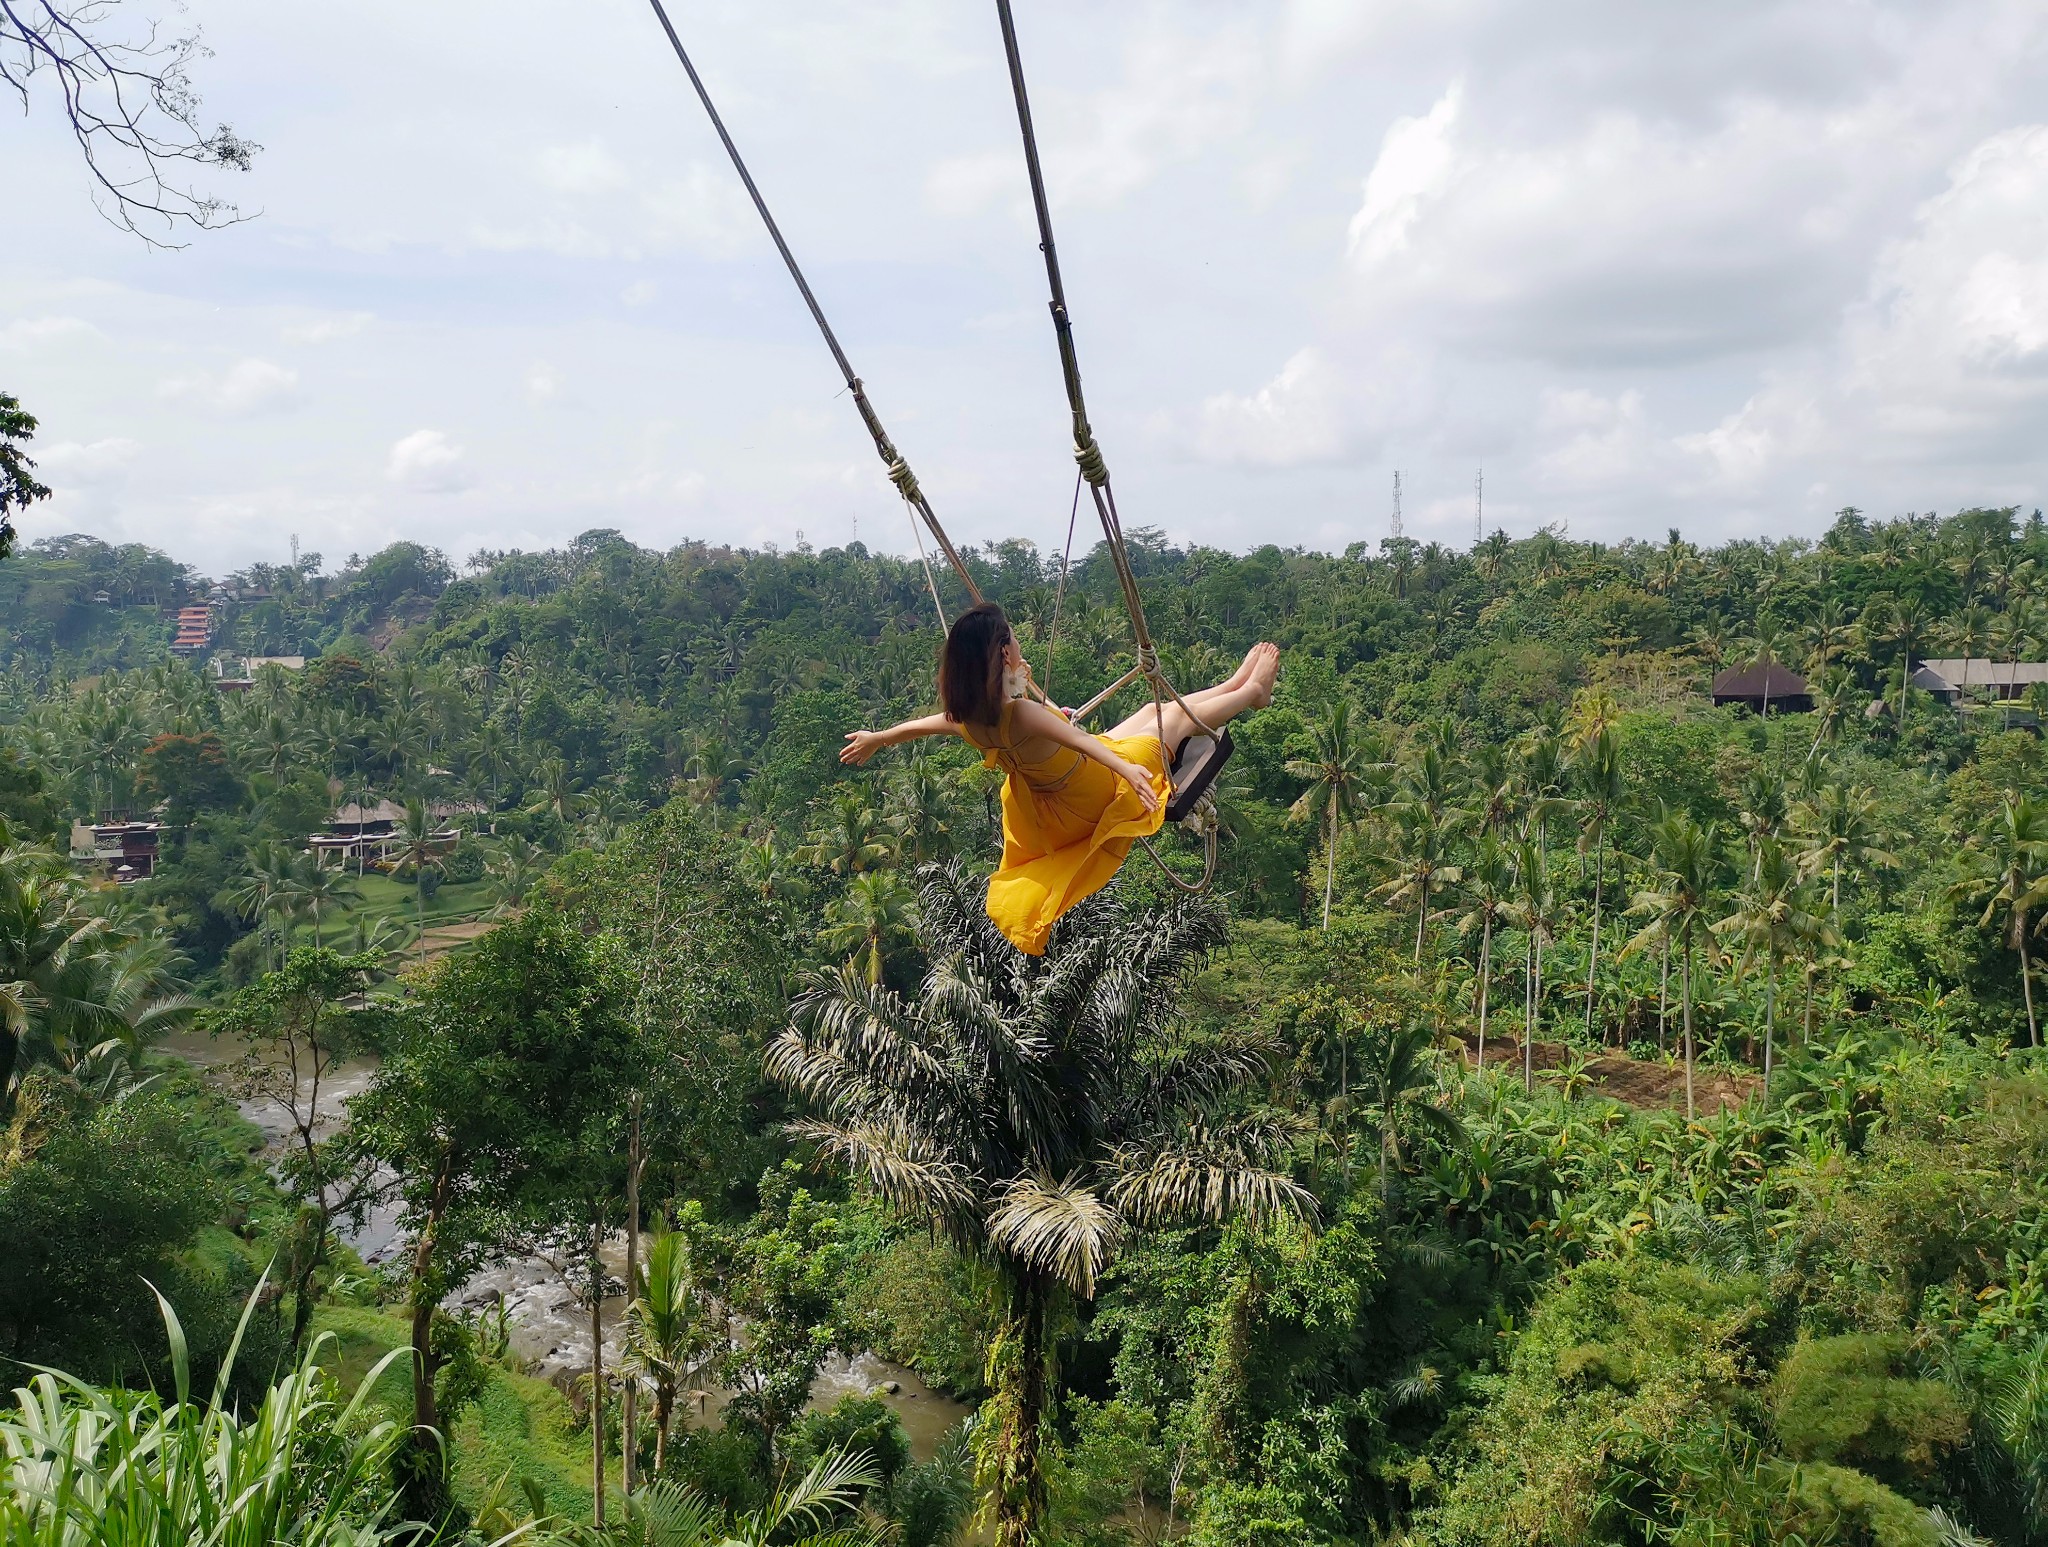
(1038, 720)
(862, 745)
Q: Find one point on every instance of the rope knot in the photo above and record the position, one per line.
(1089, 456)
(1148, 663)
(904, 479)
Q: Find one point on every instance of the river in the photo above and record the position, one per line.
(548, 1327)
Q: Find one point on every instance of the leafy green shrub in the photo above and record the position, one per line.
(464, 863)
(1837, 1399)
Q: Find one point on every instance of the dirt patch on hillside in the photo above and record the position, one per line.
(1639, 1082)
(439, 939)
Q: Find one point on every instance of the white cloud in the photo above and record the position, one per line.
(1414, 164)
(968, 184)
(580, 169)
(543, 384)
(1594, 442)
(325, 330)
(86, 479)
(1296, 418)
(428, 462)
(247, 387)
(640, 292)
(36, 332)
(71, 464)
(704, 211)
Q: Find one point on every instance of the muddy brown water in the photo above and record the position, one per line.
(548, 1327)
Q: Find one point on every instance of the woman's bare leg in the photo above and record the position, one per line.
(1172, 724)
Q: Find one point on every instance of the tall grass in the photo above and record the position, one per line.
(82, 1467)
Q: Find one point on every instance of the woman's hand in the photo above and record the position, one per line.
(1139, 779)
(862, 745)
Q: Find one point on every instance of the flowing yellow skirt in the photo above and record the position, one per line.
(1064, 844)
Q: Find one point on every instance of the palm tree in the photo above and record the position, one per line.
(852, 838)
(1039, 1112)
(1422, 843)
(1969, 635)
(1762, 650)
(1902, 621)
(555, 790)
(798, 1514)
(513, 869)
(1340, 766)
(920, 810)
(1489, 883)
(1597, 774)
(1397, 1079)
(265, 888)
(1834, 696)
(2014, 632)
(712, 768)
(417, 847)
(316, 888)
(2010, 864)
(1840, 828)
(876, 910)
(1770, 920)
(664, 1331)
(1533, 911)
(1683, 864)
(52, 949)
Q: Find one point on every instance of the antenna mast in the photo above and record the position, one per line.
(1479, 507)
(1397, 507)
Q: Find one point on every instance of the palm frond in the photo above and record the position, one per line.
(907, 1169)
(1062, 1228)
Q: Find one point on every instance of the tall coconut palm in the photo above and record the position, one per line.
(2009, 860)
(665, 1329)
(1771, 919)
(1038, 1111)
(1905, 622)
(1533, 910)
(1341, 765)
(2014, 632)
(1684, 866)
(866, 922)
(317, 889)
(1423, 842)
(555, 791)
(1597, 777)
(1839, 830)
(1489, 887)
(416, 849)
(1834, 697)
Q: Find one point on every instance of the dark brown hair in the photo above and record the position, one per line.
(971, 666)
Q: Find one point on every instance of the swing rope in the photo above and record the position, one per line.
(899, 470)
(1094, 471)
(1059, 597)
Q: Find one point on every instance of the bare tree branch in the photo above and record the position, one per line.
(123, 85)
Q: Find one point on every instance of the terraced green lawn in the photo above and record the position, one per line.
(384, 898)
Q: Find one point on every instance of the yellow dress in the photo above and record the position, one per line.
(1068, 823)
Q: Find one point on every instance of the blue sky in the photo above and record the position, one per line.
(1726, 268)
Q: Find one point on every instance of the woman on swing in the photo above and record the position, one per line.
(1073, 803)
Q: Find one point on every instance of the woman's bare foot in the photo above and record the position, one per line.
(1265, 671)
(1245, 668)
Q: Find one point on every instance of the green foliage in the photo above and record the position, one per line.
(97, 1202)
(301, 1465)
(1841, 1399)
